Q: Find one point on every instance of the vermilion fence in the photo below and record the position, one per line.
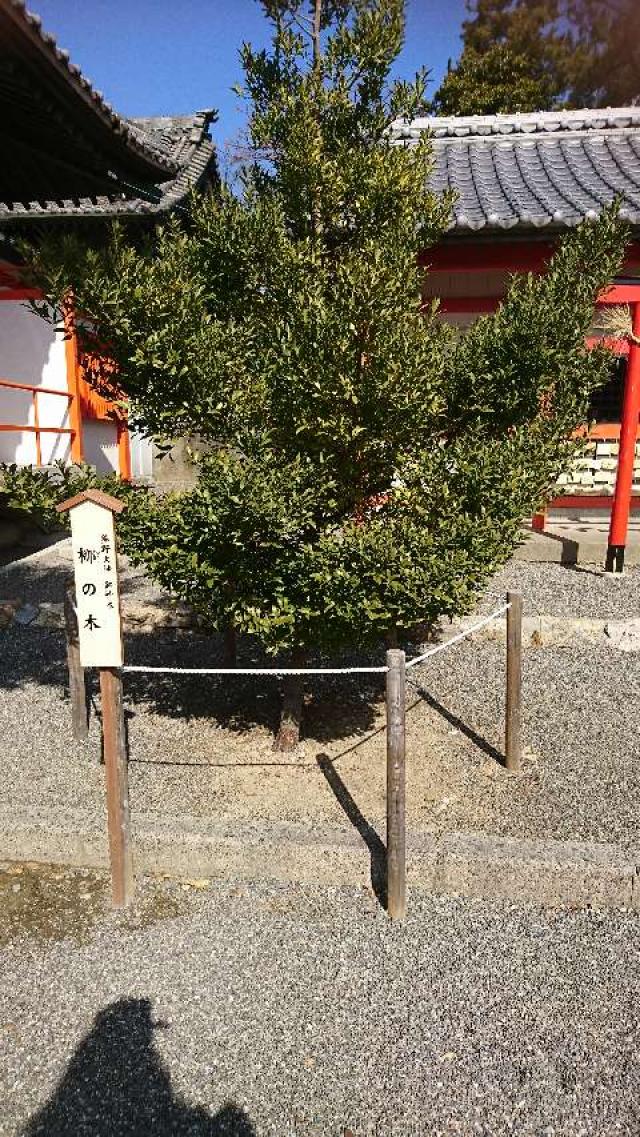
(35, 427)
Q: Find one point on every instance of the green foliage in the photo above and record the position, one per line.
(38, 491)
(520, 55)
(363, 470)
(514, 58)
(498, 81)
(605, 67)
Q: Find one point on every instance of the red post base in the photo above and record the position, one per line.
(615, 558)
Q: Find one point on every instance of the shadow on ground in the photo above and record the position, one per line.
(569, 550)
(373, 841)
(117, 1086)
(457, 723)
(336, 707)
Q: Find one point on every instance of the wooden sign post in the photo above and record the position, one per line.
(95, 564)
(77, 683)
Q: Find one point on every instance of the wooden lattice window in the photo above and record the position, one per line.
(606, 402)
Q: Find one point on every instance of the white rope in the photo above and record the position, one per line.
(279, 671)
(261, 670)
(461, 636)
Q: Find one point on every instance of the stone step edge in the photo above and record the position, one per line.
(562, 874)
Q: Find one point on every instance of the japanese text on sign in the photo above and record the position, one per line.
(96, 577)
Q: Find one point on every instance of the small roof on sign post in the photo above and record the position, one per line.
(97, 497)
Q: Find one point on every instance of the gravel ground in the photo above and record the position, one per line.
(581, 770)
(41, 577)
(567, 590)
(204, 747)
(277, 1011)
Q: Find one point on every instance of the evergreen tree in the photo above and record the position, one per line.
(364, 471)
(520, 55)
(513, 59)
(605, 70)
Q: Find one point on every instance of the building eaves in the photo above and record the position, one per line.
(28, 28)
(533, 171)
(536, 122)
(185, 138)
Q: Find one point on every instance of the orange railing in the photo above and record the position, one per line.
(36, 428)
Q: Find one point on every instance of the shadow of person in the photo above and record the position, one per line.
(116, 1086)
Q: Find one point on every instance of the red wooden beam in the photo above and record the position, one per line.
(477, 256)
(9, 273)
(617, 294)
(618, 347)
(73, 382)
(124, 451)
(20, 294)
(620, 294)
(34, 387)
(588, 501)
(508, 256)
(37, 429)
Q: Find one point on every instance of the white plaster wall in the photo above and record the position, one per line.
(100, 440)
(31, 351)
(141, 455)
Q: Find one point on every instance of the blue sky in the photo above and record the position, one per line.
(166, 57)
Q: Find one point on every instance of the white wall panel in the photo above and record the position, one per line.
(101, 445)
(31, 351)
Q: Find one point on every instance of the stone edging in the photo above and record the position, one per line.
(537, 631)
(552, 873)
(145, 617)
(557, 631)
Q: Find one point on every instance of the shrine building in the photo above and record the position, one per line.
(520, 180)
(70, 161)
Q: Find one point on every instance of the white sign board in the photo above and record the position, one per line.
(96, 575)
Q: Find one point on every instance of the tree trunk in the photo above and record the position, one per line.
(315, 34)
(288, 735)
(230, 646)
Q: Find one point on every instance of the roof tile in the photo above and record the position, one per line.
(533, 170)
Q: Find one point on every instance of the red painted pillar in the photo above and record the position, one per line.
(624, 477)
(124, 451)
(73, 382)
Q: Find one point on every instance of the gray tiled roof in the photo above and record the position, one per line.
(528, 171)
(30, 25)
(183, 142)
(99, 163)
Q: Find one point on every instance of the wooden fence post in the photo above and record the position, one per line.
(77, 685)
(513, 723)
(115, 761)
(396, 781)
